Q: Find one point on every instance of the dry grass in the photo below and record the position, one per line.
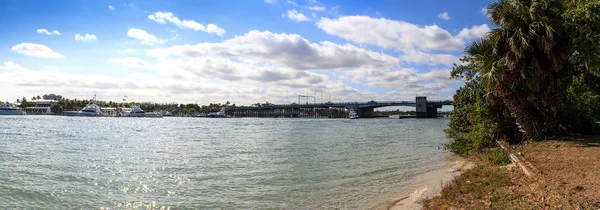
(567, 177)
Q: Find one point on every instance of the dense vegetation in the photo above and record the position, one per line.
(534, 76)
(65, 104)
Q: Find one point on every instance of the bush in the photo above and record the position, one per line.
(497, 157)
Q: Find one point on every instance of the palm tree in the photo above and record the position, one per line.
(526, 62)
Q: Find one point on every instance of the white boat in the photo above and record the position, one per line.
(352, 114)
(220, 114)
(90, 110)
(6, 109)
(136, 111)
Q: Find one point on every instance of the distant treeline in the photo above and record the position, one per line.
(65, 104)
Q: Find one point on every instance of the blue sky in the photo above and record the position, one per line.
(241, 51)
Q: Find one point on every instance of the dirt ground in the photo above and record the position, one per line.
(566, 176)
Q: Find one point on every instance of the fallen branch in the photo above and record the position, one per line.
(515, 159)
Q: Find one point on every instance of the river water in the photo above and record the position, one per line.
(57, 162)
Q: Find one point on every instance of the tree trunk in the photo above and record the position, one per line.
(526, 116)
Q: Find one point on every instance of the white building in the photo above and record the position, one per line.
(41, 107)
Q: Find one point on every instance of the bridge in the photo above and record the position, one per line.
(424, 109)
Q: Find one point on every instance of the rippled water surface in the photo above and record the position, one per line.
(61, 162)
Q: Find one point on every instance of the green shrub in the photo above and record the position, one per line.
(497, 157)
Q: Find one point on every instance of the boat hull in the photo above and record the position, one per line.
(12, 112)
(81, 114)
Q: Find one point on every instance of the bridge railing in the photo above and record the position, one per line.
(390, 103)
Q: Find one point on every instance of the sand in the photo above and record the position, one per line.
(427, 185)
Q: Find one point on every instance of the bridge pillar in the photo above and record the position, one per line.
(366, 112)
(424, 109)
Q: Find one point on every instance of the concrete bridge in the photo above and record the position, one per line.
(424, 109)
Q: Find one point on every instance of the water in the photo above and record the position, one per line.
(71, 162)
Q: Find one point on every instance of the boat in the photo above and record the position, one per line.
(7, 109)
(352, 114)
(136, 111)
(220, 114)
(90, 110)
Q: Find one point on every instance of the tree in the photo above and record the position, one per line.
(523, 61)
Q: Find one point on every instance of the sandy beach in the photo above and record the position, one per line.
(427, 185)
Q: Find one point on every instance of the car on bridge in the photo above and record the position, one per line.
(372, 102)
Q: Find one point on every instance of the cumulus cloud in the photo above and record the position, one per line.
(142, 87)
(131, 62)
(290, 50)
(164, 17)
(143, 36)
(86, 37)
(474, 32)
(391, 33)
(9, 65)
(111, 7)
(434, 82)
(444, 16)
(421, 57)
(36, 50)
(45, 31)
(296, 16)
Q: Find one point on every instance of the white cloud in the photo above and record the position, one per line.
(298, 17)
(290, 50)
(9, 65)
(143, 36)
(164, 17)
(111, 7)
(128, 50)
(36, 50)
(391, 33)
(311, 1)
(315, 8)
(292, 2)
(270, 1)
(429, 58)
(474, 32)
(444, 16)
(131, 62)
(86, 37)
(432, 83)
(45, 31)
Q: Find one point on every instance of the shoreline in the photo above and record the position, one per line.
(427, 185)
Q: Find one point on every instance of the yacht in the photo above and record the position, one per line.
(90, 110)
(6, 109)
(220, 114)
(136, 111)
(352, 114)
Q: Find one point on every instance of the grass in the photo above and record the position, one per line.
(567, 177)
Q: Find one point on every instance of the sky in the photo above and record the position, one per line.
(189, 51)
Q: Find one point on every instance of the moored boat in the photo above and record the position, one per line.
(90, 110)
(7, 109)
(136, 111)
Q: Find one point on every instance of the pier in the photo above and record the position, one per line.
(424, 109)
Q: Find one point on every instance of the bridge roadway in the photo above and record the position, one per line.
(363, 109)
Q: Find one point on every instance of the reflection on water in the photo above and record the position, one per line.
(248, 163)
